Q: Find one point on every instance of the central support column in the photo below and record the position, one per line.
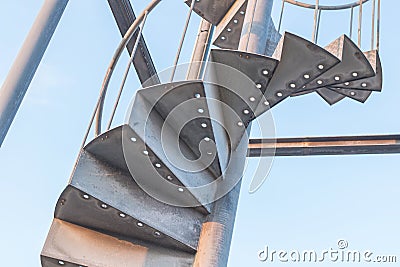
(216, 235)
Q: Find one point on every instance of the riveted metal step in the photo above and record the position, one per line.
(83, 209)
(71, 245)
(300, 62)
(353, 65)
(210, 10)
(330, 96)
(228, 31)
(122, 148)
(355, 94)
(240, 80)
(333, 95)
(185, 118)
(373, 83)
(107, 199)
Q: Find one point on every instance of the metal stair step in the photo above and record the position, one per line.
(123, 148)
(71, 245)
(373, 83)
(330, 96)
(358, 95)
(78, 207)
(184, 114)
(353, 65)
(95, 183)
(242, 79)
(228, 31)
(212, 11)
(300, 61)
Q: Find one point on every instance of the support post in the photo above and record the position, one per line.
(200, 51)
(22, 71)
(216, 235)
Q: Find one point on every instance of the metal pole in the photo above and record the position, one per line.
(281, 15)
(315, 20)
(255, 27)
(318, 24)
(128, 67)
(351, 22)
(216, 234)
(22, 71)
(360, 23)
(378, 30)
(178, 53)
(373, 25)
(200, 51)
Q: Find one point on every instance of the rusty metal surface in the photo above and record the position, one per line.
(337, 145)
(210, 10)
(124, 17)
(118, 190)
(71, 245)
(228, 31)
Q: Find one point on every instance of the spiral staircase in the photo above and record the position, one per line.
(108, 215)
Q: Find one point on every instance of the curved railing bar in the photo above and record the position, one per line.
(337, 7)
(128, 67)
(127, 37)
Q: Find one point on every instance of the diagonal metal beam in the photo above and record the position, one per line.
(124, 17)
(314, 146)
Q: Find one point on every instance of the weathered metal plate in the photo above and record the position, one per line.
(331, 97)
(78, 207)
(228, 31)
(210, 10)
(358, 95)
(117, 189)
(353, 65)
(373, 83)
(71, 245)
(241, 80)
(108, 148)
(300, 62)
(184, 106)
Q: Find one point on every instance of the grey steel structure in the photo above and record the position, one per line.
(127, 203)
(21, 74)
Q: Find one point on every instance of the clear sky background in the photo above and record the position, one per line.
(306, 203)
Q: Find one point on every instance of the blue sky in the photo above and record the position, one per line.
(306, 203)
